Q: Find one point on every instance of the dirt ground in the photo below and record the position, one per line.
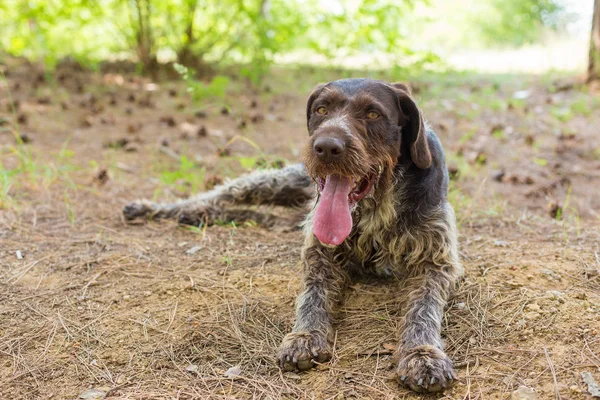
(151, 310)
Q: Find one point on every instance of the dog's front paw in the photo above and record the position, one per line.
(425, 369)
(137, 209)
(300, 350)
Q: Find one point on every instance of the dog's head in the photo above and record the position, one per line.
(358, 129)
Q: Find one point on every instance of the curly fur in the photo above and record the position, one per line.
(404, 228)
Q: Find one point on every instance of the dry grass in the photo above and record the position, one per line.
(97, 303)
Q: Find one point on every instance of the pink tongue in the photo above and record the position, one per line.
(332, 223)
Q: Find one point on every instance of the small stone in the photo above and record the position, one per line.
(533, 307)
(581, 295)
(168, 120)
(193, 250)
(592, 386)
(233, 372)
(189, 130)
(554, 294)
(192, 368)
(92, 394)
(523, 393)
(532, 315)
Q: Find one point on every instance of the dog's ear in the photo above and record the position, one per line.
(413, 127)
(401, 86)
(313, 96)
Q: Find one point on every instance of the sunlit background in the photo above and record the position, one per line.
(490, 35)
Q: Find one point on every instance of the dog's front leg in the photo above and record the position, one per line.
(423, 366)
(312, 336)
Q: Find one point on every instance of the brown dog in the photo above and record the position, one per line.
(381, 208)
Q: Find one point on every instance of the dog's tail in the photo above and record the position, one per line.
(288, 187)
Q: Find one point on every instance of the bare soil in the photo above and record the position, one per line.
(151, 310)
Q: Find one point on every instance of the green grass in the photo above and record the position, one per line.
(563, 114)
(187, 177)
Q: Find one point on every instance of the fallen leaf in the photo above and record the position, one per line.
(233, 372)
(593, 388)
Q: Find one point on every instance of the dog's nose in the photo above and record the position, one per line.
(328, 149)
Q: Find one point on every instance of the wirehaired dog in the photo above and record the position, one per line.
(374, 185)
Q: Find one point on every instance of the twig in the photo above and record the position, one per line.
(27, 269)
(170, 153)
(172, 316)
(553, 373)
(64, 326)
(87, 285)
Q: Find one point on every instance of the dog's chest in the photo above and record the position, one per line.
(372, 248)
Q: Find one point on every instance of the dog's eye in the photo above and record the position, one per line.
(372, 115)
(322, 110)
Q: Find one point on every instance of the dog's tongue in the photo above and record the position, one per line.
(332, 222)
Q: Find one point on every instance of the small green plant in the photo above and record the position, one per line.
(497, 105)
(187, 177)
(6, 183)
(581, 107)
(261, 160)
(542, 162)
(563, 114)
(216, 89)
(498, 134)
(467, 136)
(69, 207)
(227, 260)
(461, 202)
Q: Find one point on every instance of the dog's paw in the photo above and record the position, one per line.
(137, 209)
(425, 369)
(300, 350)
(197, 215)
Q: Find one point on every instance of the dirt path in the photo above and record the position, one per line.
(152, 310)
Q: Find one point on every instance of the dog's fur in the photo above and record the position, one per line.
(404, 227)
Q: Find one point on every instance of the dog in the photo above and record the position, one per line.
(374, 187)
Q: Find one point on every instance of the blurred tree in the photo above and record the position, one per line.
(520, 22)
(144, 38)
(253, 33)
(594, 60)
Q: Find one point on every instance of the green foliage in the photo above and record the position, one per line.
(520, 22)
(254, 33)
(563, 114)
(250, 32)
(187, 177)
(200, 90)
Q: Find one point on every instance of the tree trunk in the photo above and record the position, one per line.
(144, 37)
(594, 60)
